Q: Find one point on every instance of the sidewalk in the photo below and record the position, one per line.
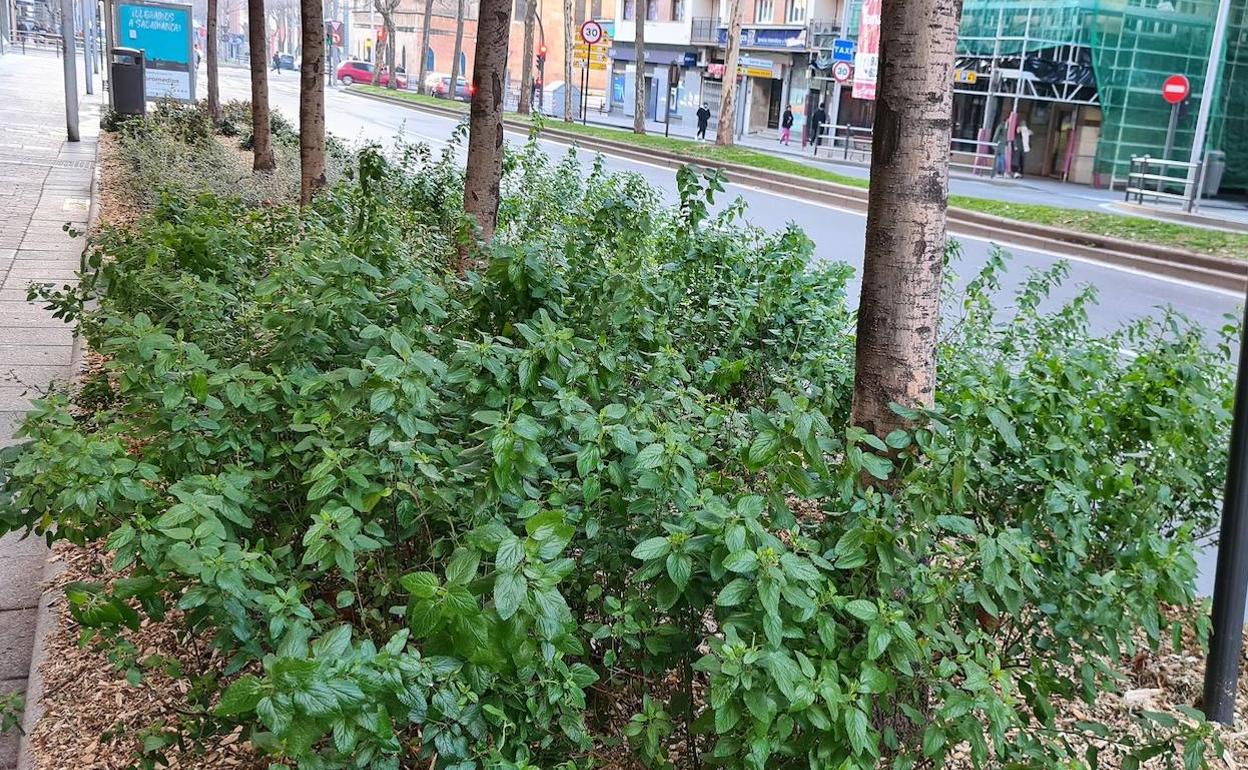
(44, 183)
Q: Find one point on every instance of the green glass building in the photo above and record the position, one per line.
(1086, 75)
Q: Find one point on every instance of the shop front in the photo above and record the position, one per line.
(664, 100)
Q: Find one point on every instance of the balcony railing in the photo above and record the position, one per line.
(705, 30)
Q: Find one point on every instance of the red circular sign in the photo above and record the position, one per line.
(1175, 89)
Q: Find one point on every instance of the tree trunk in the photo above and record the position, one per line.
(261, 147)
(900, 306)
(567, 62)
(391, 48)
(485, 126)
(311, 100)
(725, 131)
(424, 47)
(459, 51)
(210, 57)
(525, 104)
(639, 76)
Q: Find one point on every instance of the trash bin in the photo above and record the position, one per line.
(129, 92)
(1215, 167)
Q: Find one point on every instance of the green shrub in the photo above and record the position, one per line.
(457, 521)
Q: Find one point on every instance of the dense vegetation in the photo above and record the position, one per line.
(433, 520)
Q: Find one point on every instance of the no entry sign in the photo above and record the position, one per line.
(1175, 89)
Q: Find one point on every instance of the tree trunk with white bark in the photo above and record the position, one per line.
(261, 146)
(639, 81)
(899, 311)
(311, 100)
(485, 121)
(725, 131)
(524, 104)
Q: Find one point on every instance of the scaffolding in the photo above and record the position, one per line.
(1112, 54)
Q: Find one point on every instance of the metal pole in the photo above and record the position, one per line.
(71, 70)
(1230, 583)
(842, 32)
(87, 50)
(4, 25)
(1206, 96)
(108, 49)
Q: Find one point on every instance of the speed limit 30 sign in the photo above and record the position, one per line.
(591, 33)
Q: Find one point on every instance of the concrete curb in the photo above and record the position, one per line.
(1181, 217)
(46, 619)
(1202, 269)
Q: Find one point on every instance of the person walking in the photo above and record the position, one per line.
(1022, 146)
(704, 118)
(277, 63)
(816, 126)
(1000, 138)
(786, 125)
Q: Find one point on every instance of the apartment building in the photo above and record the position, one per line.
(780, 43)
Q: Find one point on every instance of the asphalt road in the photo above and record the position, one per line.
(838, 234)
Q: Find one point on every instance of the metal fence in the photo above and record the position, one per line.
(853, 144)
(1157, 180)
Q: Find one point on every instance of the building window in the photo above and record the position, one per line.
(596, 9)
(764, 10)
(629, 6)
(797, 12)
(652, 10)
(678, 10)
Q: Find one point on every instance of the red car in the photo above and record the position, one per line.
(354, 71)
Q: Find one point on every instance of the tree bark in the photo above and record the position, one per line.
(725, 130)
(567, 62)
(525, 103)
(261, 145)
(210, 58)
(639, 76)
(899, 310)
(391, 47)
(485, 124)
(311, 100)
(424, 47)
(459, 50)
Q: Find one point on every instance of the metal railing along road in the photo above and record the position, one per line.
(1158, 180)
(853, 144)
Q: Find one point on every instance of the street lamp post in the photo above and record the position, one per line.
(71, 70)
(1206, 103)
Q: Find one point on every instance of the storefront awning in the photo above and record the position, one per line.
(626, 52)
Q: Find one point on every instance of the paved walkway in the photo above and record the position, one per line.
(44, 183)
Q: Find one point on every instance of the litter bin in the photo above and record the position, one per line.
(129, 91)
(1215, 167)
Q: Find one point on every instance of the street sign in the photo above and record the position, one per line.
(591, 32)
(842, 72)
(1175, 89)
(842, 49)
(164, 32)
(867, 59)
(333, 32)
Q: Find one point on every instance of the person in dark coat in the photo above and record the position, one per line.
(704, 118)
(786, 125)
(817, 120)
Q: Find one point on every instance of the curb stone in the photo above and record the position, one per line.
(1202, 269)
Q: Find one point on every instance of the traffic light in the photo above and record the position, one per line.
(541, 55)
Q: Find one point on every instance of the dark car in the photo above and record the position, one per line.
(286, 61)
(356, 71)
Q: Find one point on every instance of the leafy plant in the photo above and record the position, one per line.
(459, 520)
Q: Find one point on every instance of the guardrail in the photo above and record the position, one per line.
(853, 143)
(1153, 178)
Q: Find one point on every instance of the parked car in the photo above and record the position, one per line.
(440, 85)
(356, 71)
(286, 61)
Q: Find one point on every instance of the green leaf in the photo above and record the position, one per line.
(422, 585)
(653, 548)
(741, 561)
(240, 697)
(957, 524)
(877, 466)
(763, 448)
(798, 568)
(1004, 427)
(856, 728)
(462, 567)
(650, 457)
(863, 610)
(734, 593)
(510, 553)
(679, 568)
(509, 591)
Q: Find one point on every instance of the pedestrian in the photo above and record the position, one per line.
(704, 118)
(786, 125)
(1022, 146)
(1000, 138)
(816, 126)
(277, 63)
